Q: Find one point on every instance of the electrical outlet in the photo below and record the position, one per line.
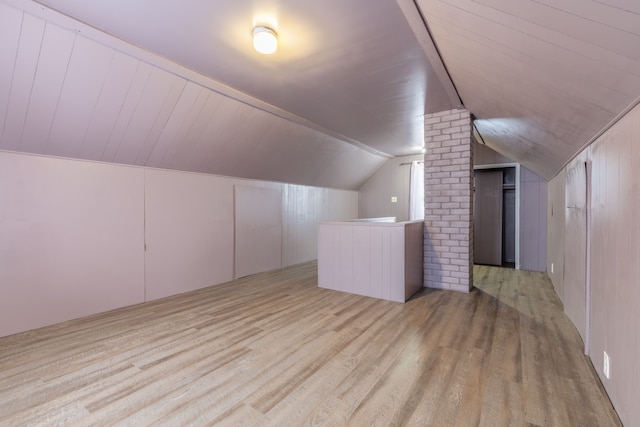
(606, 366)
(551, 268)
(394, 199)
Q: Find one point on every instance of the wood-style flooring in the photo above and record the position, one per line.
(275, 350)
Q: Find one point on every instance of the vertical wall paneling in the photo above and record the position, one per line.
(298, 213)
(304, 208)
(360, 260)
(614, 256)
(328, 239)
(397, 266)
(258, 229)
(533, 221)
(575, 267)
(615, 267)
(589, 228)
(556, 232)
(344, 255)
(376, 259)
(188, 232)
(72, 239)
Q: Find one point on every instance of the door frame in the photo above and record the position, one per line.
(502, 166)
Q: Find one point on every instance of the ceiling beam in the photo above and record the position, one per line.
(420, 29)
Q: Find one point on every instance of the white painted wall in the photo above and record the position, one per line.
(258, 229)
(188, 232)
(71, 239)
(72, 234)
(392, 180)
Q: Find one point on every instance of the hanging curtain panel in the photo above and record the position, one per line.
(416, 191)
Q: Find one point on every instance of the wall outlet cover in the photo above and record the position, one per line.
(394, 199)
(605, 368)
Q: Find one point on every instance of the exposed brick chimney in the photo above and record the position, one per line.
(448, 186)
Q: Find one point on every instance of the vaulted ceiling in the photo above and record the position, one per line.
(177, 85)
(543, 77)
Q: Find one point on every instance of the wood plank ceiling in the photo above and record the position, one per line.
(176, 85)
(543, 77)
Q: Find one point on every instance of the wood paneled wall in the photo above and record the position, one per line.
(374, 259)
(74, 234)
(614, 270)
(555, 232)
(533, 221)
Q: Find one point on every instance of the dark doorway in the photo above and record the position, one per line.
(495, 217)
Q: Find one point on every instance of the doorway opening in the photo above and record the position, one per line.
(496, 215)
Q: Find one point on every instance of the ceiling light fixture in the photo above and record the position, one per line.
(265, 40)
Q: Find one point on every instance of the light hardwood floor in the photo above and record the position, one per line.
(274, 349)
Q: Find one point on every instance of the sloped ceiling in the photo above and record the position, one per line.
(177, 85)
(542, 77)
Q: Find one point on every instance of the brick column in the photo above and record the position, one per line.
(448, 186)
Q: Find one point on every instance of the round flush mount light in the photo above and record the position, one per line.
(265, 40)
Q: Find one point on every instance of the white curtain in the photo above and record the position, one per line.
(416, 191)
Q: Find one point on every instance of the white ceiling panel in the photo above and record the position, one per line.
(195, 122)
(127, 111)
(191, 99)
(121, 72)
(85, 76)
(53, 61)
(151, 112)
(21, 77)
(10, 23)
